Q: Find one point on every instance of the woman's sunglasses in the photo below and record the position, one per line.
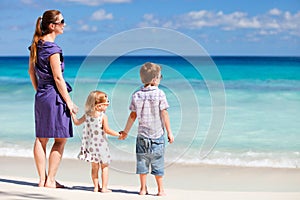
(61, 22)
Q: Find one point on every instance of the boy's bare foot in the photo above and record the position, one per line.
(105, 190)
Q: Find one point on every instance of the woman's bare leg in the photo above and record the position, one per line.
(39, 152)
(54, 161)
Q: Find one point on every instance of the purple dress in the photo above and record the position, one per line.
(52, 116)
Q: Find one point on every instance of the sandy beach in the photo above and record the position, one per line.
(18, 180)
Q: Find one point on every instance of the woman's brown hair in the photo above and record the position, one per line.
(42, 28)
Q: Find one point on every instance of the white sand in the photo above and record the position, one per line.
(18, 180)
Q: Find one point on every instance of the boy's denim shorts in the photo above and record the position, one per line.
(150, 152)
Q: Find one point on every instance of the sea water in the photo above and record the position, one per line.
(259, 124)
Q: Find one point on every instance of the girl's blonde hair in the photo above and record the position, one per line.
(94, 98)
(149, 71)
(42, 28)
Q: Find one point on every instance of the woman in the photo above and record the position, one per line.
(52, 100)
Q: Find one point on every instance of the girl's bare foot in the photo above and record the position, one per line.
(143, 191)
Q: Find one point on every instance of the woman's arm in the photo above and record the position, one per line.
(106, 128)
(60, 82)
(31, 72)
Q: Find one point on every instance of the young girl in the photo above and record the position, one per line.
(94, 146)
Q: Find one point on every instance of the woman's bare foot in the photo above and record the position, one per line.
(41, 183)
(105, 190)
(161, 194)
(49, 184)
(97, 189)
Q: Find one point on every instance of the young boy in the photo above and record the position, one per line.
(149, 105)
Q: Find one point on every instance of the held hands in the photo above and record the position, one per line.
(123, 135)
(74, 109)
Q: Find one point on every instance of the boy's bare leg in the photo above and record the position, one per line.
(94, 174)
(39, 151)
(143, 180)
(159, 181)
(104, 177)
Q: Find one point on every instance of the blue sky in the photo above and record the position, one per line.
(221, 27)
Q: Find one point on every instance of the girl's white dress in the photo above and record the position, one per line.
(94, 147)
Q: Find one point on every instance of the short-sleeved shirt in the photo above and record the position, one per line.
(148, 102)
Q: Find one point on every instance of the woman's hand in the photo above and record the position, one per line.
(73, 108)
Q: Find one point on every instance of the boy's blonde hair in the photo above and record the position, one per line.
(94, 98)
(149, 71)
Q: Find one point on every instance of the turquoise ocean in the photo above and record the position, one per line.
(261, 125)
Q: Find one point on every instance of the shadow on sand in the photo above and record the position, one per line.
(40, 196)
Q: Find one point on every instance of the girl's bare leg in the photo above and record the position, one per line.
(143, 180)
(159, 181)
(104, 168)
(95, 171)
(39, 152)
(54, 161)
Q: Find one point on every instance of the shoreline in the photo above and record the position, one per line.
(18, 175)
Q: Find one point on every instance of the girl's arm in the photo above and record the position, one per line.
(31, 72)
(106, 128)
(166, 120)
(60, 82)
(77, 121)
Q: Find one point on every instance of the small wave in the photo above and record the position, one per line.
(12, 152)
(246, 159)
(242, 159)
(13, 80)
(263, 85)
